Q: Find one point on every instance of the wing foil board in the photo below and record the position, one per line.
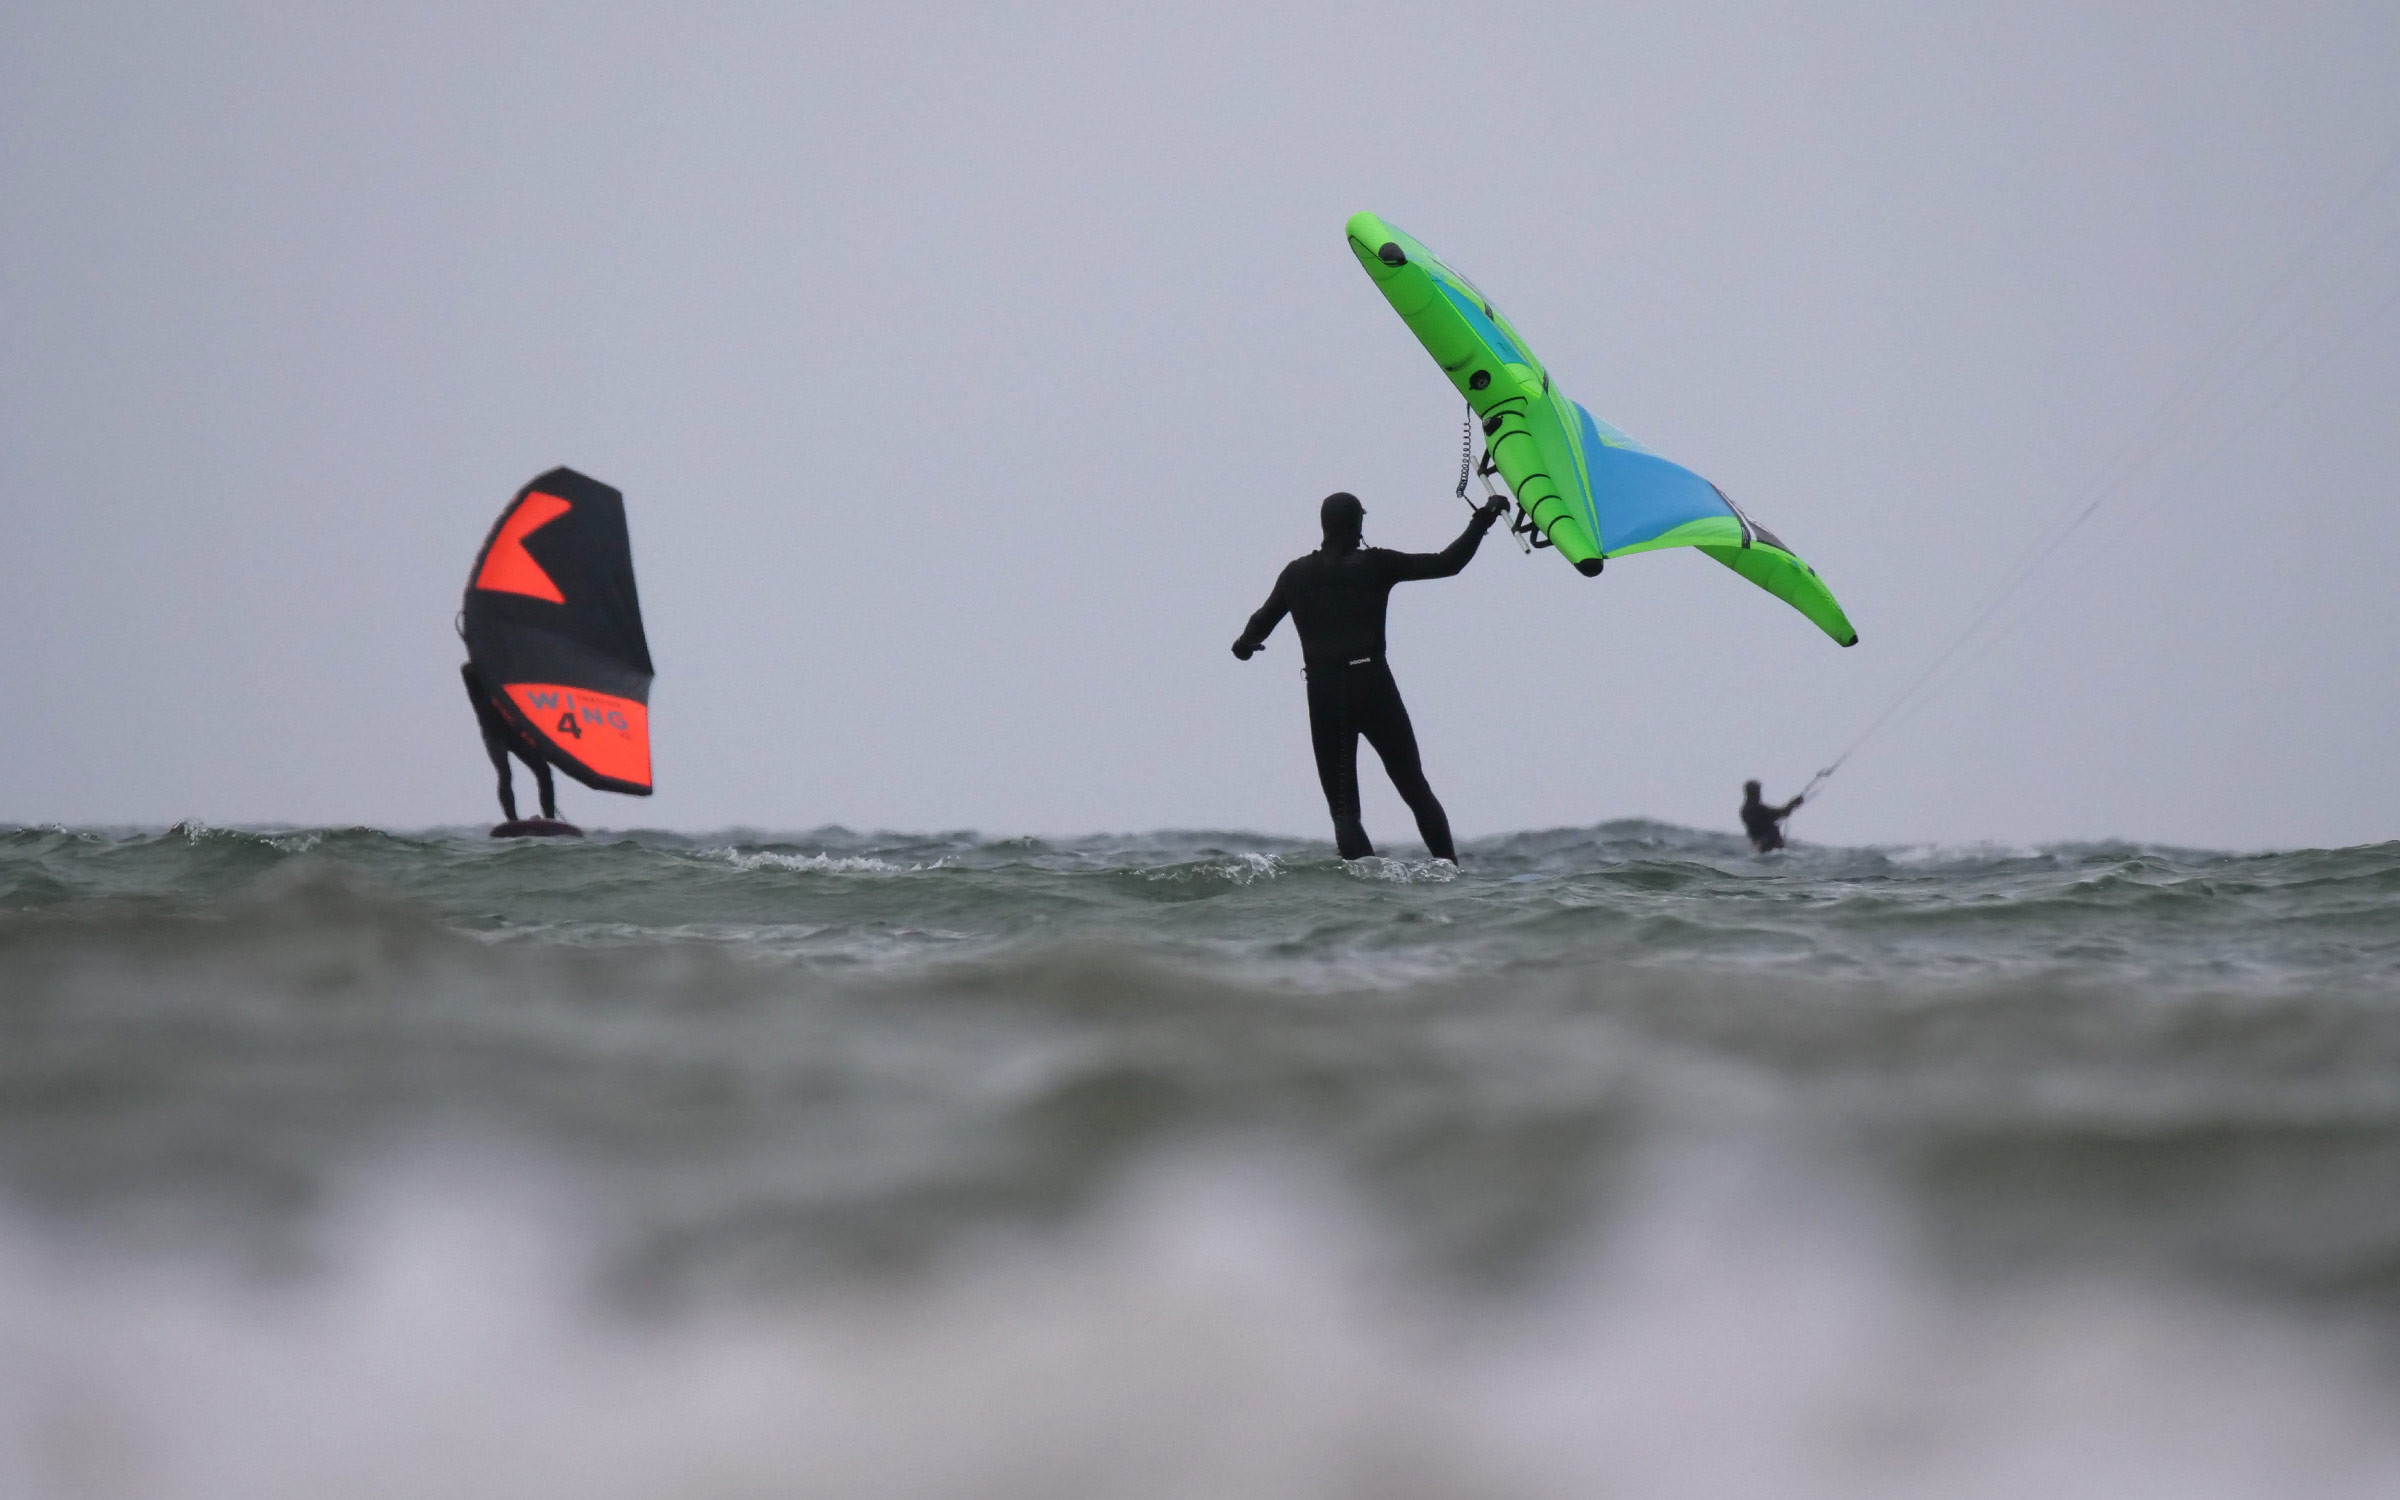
(536, 828)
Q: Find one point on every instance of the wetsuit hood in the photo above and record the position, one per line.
(1344, 520)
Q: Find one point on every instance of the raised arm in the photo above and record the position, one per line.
(1785, 811)
(1453, 558)
(1263, 623)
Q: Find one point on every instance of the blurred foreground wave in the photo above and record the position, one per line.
(1619, 1162)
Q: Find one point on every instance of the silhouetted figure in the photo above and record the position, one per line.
(1764, 824)
(499, 741)
(1336, 597)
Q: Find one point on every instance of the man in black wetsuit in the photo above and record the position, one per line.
(498, 741)
(1761, 822)
(1336, 597)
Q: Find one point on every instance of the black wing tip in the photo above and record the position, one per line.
(565, 477)
(1590, 567)
(1846, 645)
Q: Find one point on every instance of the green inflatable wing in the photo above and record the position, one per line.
(1590, 490)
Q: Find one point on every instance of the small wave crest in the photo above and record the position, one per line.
(199, 834)
(1402, 871)
(1236, 869)
(818, 864)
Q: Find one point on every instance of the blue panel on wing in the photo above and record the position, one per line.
(1639, 496)
(1614, 437)
(1489, 330)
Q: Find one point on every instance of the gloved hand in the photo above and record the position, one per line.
(1243, 650)
(1490, 511)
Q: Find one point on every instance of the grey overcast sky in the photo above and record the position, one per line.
(970, 371)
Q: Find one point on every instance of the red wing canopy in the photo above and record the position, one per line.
(553, 623)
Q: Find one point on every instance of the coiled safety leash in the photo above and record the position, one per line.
(1521, 523)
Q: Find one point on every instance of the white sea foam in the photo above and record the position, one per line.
(1219, 1332)
(1402, 871)
(286, 841)
(820, 864)
(1237, 869)
(1987, 852)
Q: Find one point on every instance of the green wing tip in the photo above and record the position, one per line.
(1852, 641)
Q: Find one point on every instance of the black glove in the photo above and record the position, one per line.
(1243, 650)
(1490, 511)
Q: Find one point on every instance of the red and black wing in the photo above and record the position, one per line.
(554, 625)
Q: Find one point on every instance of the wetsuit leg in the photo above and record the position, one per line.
(498, 751)
(1383, 718)
(495, 739)
(541, 778)
(1333, 730)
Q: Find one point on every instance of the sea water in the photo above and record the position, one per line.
(1620, 1162)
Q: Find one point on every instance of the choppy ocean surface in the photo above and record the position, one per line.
(1621, 1163)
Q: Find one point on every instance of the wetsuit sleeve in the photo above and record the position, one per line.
(1404, 566)
(1269, 615)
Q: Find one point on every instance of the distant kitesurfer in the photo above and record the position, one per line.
(499, 741)
(1761, 822)
(1336, 597)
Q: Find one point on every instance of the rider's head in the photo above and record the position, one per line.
(1344, 519)
(1750, 791)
